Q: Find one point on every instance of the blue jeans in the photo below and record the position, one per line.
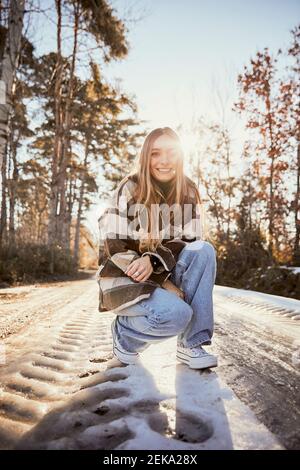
(164, 314)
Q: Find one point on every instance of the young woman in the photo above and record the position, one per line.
(156, 273)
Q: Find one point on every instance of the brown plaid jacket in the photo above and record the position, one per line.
(119, 246)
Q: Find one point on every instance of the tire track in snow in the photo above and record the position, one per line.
(266, 307)
(61, 387)
(257, 344)
(21, 306)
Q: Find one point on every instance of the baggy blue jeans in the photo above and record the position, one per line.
(164, 314)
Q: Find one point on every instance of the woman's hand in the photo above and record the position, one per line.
(168, 285)
(143, 266)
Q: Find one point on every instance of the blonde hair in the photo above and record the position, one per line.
(148, 192)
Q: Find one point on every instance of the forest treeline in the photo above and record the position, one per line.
(254, 211)
(68, 136)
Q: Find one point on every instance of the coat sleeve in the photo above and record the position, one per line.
(115, 241)
(165, 257)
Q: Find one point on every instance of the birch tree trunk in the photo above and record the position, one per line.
(8, 67)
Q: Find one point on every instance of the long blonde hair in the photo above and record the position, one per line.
(148, 191)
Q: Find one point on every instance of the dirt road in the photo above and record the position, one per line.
(61, 387)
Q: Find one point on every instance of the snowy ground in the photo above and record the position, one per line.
(62, 389)
(295, 269)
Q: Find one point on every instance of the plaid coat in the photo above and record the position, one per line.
(118, 247)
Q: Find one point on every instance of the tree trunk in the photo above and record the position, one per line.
(12, 196)
(65, 216)
(3, 220)
(54, 199)
(8, 69)
(296, 254)
(271, 182)
(79, 212)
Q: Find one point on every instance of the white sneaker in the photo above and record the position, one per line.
(196, 358)
(119, 352)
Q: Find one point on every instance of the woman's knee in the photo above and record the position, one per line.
(166, 308)
(203, 246)
(178, 315)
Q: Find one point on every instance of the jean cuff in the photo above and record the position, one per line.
(198, 339)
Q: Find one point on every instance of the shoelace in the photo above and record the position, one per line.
(197, 350)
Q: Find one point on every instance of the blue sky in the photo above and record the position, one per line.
(182, 48)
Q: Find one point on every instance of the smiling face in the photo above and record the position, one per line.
(164, 158)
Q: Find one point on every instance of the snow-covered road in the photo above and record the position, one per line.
(62, 389)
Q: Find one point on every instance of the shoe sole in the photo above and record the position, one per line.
(197, 363)
(128, 358)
